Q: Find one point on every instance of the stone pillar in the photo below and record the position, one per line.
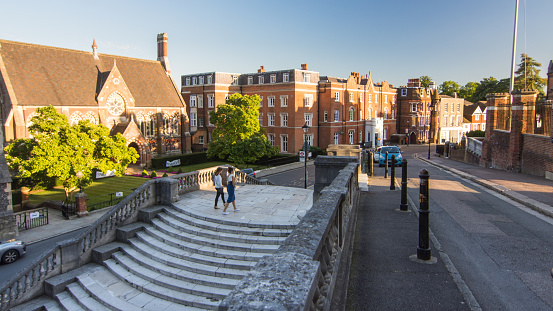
(167, 189)
(495, 102)
(326, 169)
(80, 204)
(523, 107)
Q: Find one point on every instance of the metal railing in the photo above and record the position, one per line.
(108, 202)
(32, 218)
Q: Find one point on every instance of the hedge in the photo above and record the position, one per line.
(185, 159)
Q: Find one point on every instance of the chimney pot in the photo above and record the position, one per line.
(303, 66)
(261, 69)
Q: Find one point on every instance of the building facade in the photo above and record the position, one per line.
(476, 114)
(134, 97)
(449, 119)
(414, 112)
(337, 111)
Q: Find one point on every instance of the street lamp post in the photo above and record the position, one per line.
(431, 107)
(305, 128)
(79, 175)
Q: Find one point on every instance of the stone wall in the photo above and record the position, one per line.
(537, 155)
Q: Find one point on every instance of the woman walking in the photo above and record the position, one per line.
(218, 181)
(231, 185)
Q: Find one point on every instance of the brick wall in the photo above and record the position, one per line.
(498, 145)
(537, 155)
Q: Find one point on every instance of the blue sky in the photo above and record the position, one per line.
(395, 40)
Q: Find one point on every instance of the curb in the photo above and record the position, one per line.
(515, 196)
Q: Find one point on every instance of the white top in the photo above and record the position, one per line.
(229, 179)
(218, 181)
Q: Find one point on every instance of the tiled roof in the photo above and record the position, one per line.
(44, 75)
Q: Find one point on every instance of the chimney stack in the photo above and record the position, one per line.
(94, 49)
(303, 66)
(261, 69)
(162, 51)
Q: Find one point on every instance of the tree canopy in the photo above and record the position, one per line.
(468, 89)
(528, 74)
(58, 150)
(238, 137)
(425, 81)
(449, 88)
(489, 85)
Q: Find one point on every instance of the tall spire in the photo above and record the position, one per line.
(94, 49)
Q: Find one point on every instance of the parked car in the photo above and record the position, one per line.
(392, 151)
(376, 155)
(248, 171)
(11, 250)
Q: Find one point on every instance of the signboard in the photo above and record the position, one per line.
(119, 194)
(34, 215)
(302, 156)
(100, 174)
(172, 163)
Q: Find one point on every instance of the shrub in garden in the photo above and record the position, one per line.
(165, 175)
(144, 173)
(154, 174)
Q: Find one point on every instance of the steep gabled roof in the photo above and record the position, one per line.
(43, 75)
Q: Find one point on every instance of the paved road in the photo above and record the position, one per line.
(502, 250)
(294, 177)
(34, 250)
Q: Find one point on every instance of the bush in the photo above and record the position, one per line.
(179, 171)
(316, 151)
(185, 159)
(154, 174)
(476, 133)
(165, 175)
(144, 173)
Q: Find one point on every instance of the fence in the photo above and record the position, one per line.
(474, 146)
(107, 202)
(71, 254)
(32, 219)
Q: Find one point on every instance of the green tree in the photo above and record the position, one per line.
(528, 74)
(425, 81)
(57, 150)
(238, 137)
(468, 89)
(449, 88)
(487, 86)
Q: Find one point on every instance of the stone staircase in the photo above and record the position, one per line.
(178, 260)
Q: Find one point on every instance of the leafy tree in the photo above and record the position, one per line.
(528, 74)
(489, 85)
(58, 150)
(449, 88)
(467, 90)
(238, 136)
(425, 81)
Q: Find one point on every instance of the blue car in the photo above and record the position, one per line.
(392, 151)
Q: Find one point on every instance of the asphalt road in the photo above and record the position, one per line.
(502, 250)
(294, 178)
(34, 250)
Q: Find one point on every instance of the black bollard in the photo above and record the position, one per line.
(423, 251)
(386, 165)
(403, 205)
(393, 175)
(371, 160)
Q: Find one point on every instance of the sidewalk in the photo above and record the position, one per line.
(532, 191)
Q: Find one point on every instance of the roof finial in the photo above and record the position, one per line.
(94, 49)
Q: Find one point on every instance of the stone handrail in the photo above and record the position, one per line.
(305, 271)
(474, 146)
(76, 252)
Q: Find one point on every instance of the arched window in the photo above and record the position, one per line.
(90, 116)
(146, 123)
(351, 114)
(75, 118)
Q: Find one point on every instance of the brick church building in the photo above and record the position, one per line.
(134, 97)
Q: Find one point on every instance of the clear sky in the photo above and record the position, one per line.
(395, 40)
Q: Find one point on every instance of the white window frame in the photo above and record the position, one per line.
(370, 98)
(393, 114)
(413, 107)
(284, 120)
(210, 101)
(250, 80)
(336, 115)
(283, 143)
(336, 96)
(308, 117)
(307, 78)
(272, 78)
(271, 101)
(187, 81)
(271, 139)
(210, 79)
(283, 100)
(351, 114)
(201, 80)
(336, 138)
(271, 119)
(385, 99)
(351, 97)
(235, 80)
(192, 100)
(308, 100)
(403, 92)
(325, 116)
(285, 77)
(360, 97)
(194, 81)
(260, 119)
(386, 113)
(200, 121)
(261, 79)
(261, 101)
(193, 119)
(201, 139)
(350, 137)
(200, 101)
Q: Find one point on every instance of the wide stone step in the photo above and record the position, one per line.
(224, 226)
(233, 222)
(142, 253)
(40, 303)
(216, 240)
(211, 232)
(156, 237)
(154, 244)
(69, 302)
(209, 280)
(159, 291)
(84, 299)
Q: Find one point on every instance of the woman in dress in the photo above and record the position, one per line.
(218, 181)
(231, 185)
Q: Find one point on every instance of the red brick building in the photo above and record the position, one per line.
(413, 112)
(476, 114)
(338, 111)
(135, 97)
